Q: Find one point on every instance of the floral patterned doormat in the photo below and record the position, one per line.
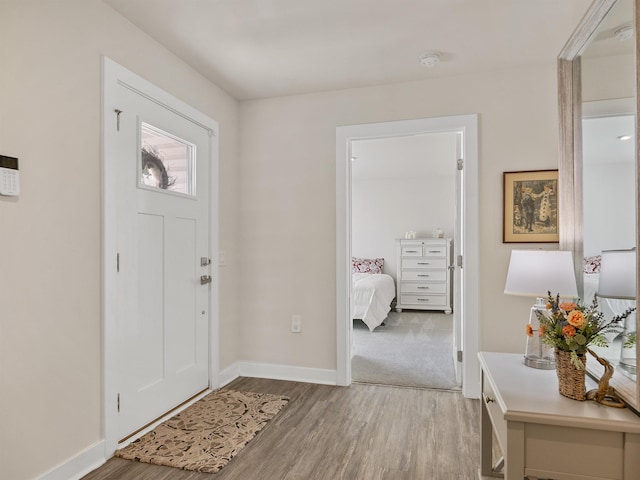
(209, 433)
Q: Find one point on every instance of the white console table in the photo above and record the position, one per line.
(544, 435)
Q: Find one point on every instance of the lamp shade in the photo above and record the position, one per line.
(617, 274)
(534, 273)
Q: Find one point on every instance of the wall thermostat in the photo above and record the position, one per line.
(9, 176)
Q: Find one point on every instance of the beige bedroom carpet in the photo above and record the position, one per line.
(209, 433)
(412, 349)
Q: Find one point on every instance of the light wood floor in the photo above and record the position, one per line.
(363, 432)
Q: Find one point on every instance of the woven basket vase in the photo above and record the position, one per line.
(570, 379)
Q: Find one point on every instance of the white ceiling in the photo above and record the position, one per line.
(415, 156)
(266, 48)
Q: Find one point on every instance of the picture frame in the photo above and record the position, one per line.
(530, 213)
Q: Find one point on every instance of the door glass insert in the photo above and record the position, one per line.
(167, 162)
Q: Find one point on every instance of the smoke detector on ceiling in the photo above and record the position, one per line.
(623, 33)
(430, 59)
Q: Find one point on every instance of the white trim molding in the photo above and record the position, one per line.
(79, 465)
(228, 374)
(277, 372)
(468, 126)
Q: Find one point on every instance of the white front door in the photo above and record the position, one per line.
(161, 326)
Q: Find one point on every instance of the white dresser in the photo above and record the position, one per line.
(423, 277)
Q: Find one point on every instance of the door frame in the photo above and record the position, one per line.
(113, 75)
(467, 125)
(458, 273)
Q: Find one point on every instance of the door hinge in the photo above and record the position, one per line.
(459, 355)
(117, 262)
(460, 164)
(459, 261)
(118, 401)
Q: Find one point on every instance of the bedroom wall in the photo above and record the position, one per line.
(50, 286)
(288, 199)
(401, 184)
(598, 82)
(383, 210)
(610, 226)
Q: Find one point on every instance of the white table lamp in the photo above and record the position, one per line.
(617, 281)
(535, 273)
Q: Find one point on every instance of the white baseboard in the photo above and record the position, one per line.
(277, 372)
(228, 375)
(79, 465)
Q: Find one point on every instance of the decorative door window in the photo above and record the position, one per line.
(167, 162)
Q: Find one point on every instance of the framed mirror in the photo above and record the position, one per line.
(598, 91)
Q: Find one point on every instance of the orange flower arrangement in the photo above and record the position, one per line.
(572, 327)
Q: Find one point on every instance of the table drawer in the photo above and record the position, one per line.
(495, 414)
(430, 300)
(424, 262)
(423, 288)
(424, 275)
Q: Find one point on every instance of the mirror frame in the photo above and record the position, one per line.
(570, 161)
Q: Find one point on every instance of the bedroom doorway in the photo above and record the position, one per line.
(403, 186)
(463, 132)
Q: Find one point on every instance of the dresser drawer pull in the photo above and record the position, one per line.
(424, 263)
(434, 251)
(488, 399)
(423, 299)
(411, 251)
(422, 288)
(423, 275)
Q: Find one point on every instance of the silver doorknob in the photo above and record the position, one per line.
(204, 279)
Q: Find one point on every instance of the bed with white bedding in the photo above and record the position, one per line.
(372, 294)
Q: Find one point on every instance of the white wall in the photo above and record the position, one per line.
(608, 77)
(609, 189)
(288, 192)
(50, 282)
(383, 210)
(609, 203)
(401, 187)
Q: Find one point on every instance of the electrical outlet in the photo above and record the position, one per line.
(296, 323)
(222, 258)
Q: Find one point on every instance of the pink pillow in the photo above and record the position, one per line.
(366, 265)
(592, 264)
